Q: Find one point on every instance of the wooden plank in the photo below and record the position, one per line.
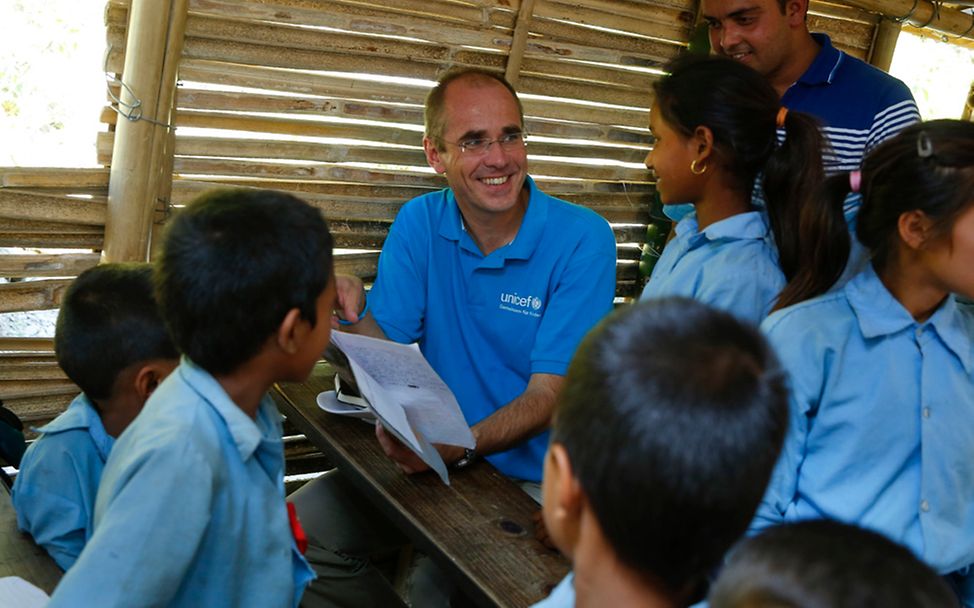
(18, 204)
(53, 177)
(473, 528)
(46, 265)
(19, 555)
(32, 295)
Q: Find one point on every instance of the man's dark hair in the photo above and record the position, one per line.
(433, 114)
(108, 321)
(233, 263)
(673, 415)
(827, 564)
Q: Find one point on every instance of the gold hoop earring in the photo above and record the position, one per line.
(697, 170)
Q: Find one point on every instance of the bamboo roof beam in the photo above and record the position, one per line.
(518, 41)
(154, 48)
(922, 13)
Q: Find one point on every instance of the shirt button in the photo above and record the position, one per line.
(919, 331)
(926, 412)
(924, 506)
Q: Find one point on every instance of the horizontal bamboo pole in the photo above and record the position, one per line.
(12, 369)
(32, 295)
(947, 20)
(53, 177)
(656, 22)
(14, 238)
(10, 344)
(840, 11)
(184, 190)
(34, 411)
(845, 34)
(17, 389)
(562, 39)
(17, 204)
(52, 227)
(46, 265)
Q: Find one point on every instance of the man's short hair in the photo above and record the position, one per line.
(434, 112)
(672, 415)
(826, 563)
(233, 263)
(109, 320)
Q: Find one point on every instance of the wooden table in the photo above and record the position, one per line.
(479, 529)
(19, 555)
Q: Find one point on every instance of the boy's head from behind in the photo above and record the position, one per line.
(827, 564)
(235, 264)
(111, 341)
(665, 434)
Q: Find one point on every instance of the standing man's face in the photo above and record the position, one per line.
(486, 181)
(754, 32)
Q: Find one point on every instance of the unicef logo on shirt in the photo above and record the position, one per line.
(524, 305)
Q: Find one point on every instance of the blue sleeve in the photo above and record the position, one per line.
(897, 111)
(806, 371)
(965, 587)
(583, 293)
(150, 527)
(54, 497)
(397, 300)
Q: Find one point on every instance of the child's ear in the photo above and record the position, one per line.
(702, 141)
(568, 494)
(291, 332)
(914, 228)
(150, 375)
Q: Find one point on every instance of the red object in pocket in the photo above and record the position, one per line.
(300, 538)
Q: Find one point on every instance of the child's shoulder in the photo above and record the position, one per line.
(826, 313)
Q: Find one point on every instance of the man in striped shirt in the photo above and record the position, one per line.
(859, 105)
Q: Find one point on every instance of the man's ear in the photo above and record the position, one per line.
(795, 11)
(702, 142)
(433, 156)
(149, 375)
(291, 331)
(914, 228)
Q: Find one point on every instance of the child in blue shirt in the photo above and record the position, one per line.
(715, 122)
(664, 437)
(112, 343)
(882, 371)
(191, 508)
(826, 564)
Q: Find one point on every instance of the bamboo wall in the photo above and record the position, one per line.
(289, 94)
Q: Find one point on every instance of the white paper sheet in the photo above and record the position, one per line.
(407, 396)
(18, 593)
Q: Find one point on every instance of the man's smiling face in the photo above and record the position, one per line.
(754, 32)
(483, 182)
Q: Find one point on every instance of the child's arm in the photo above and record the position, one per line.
(54, 494)
(154, 514)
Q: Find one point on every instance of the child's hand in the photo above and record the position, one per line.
(350, 299)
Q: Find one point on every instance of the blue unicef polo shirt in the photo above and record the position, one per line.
(486, 323)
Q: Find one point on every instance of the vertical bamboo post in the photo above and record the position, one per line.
(884, 44)
(155, 41)
(519, 40)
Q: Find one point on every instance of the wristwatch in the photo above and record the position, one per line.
(469, 457)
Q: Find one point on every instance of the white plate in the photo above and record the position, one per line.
(330, 403)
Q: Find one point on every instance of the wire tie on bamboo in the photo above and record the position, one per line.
(131, 111)
(934, 13)
(964, 35)
(164, 209)
(916, 5)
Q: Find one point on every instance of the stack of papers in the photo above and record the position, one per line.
(406, 395)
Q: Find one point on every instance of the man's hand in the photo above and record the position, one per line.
(350, 298)
(407, 459)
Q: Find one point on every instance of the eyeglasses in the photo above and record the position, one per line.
(479, 146)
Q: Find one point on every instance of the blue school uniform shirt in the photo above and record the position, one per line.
(486, 323)
(54, 493)
(881, 427)
(731, 265)
(191, 508)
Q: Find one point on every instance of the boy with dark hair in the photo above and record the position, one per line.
(664, 437)
(827, 564)
(112, 343)
(191, 510)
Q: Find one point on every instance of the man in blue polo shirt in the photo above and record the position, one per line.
(496, 281)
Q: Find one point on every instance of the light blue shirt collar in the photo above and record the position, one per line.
(81, 414)
(749, 225)
(880, 314)
(242, 428)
